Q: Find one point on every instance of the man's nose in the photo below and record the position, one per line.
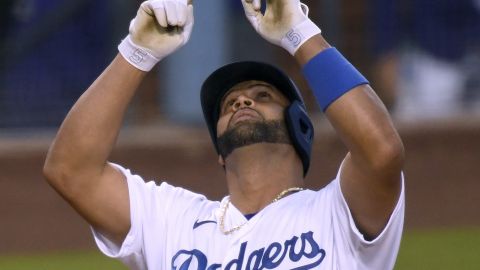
(243, 102)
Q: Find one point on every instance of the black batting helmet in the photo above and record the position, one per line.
(223, 79)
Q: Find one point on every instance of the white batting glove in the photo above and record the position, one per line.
(285, 22)
(160, 28)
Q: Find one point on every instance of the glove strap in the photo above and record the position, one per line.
(139, 57)
(298, 35)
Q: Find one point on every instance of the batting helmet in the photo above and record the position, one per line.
(223, 79)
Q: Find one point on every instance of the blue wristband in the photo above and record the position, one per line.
(330, 76)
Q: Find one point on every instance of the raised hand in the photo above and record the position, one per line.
(285, 22)
(159, 29)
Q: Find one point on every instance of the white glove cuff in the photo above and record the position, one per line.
(139, 57)
(298, 35)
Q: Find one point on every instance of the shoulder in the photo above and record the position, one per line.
(168, 195)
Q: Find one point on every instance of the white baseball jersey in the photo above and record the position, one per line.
(173, 228)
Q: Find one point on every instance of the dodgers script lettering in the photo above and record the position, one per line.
(302, 252)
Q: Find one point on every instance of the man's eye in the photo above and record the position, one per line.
(229, 103)
(263, 94)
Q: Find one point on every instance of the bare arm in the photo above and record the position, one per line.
(371, 171)
(76, 164)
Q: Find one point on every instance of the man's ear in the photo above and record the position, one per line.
(221, 161)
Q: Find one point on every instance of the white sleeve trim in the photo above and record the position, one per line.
(108, 247)
(398, 210)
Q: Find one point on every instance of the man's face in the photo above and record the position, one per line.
(251, 112)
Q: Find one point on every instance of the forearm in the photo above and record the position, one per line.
(89, 131)
(358, 115)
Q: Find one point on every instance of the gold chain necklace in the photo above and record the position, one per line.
(225, 207)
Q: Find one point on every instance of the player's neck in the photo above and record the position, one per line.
(256, 174)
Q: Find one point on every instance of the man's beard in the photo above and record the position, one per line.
(247, 133)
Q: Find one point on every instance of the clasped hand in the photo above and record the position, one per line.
(163, 26)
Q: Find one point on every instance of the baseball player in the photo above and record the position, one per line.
(263, 135)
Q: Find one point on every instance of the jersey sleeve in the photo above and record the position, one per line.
(151, 206)
(379, 253)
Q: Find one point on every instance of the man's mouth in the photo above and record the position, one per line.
(243, 115)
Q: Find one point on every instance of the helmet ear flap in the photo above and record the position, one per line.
(301, 131)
